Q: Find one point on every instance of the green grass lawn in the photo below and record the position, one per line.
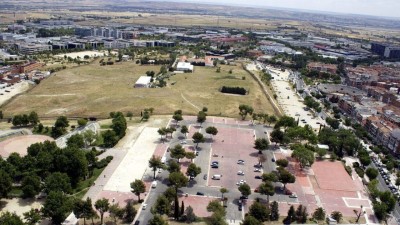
(84, 185)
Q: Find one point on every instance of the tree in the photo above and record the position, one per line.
(212, 131)
(271, 119)
(157, 220)
(250, 220)
(155, 164)
(301, 214)
(59, 127)
(162, 131)
(272, 177)
(130, 212)
(303, 155)
(267, 188)
(31, 185)
(5, 183)
(110, 138)
(116, 212)
(397, 182)
(190, 155)
(372, 173)
(129, 115)
(190, 216)
(177, 118)
(244, 189)
(178, 152)
(198, 138)
(259, 211)
(336, 215)
(282, 162)
(274, 211)
(193, 170)
(174, 166)
(57, 207)
(82, 122)
(223, 191)
(291, 216)
(285, 121)
(102, 205)
(286, 177)
(162, 205)
(380, 209)
(33, 118)
(89, 137)
(178, 180)
(216, 207)
(201, 117)
(184, 130)
(138, 187)
(182, 209)
(261, 144)
(57, 182)
(119, 124)
(245, 110)
(277, 136)
(8, 218)
(76, 140)
(32, 217)
(319, 214)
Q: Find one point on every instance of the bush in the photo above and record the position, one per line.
(104, 162)
(348, 169)
(371, 173)
(359, 171)
(233, 90)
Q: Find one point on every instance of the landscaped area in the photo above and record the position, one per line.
(94, 90)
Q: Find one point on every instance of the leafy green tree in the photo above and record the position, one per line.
(184, 130)
(155, 164)
(129, 115)
(130, 212)
(267, 188)
(32, 217)
(33, 118)
(282, 162)
(174, 166)
(223, 191)
(57, 207)
(82, 122)
(250, 220)
(89, 137)
(5, 183)
(162, 205)
(8, 218)
(380, 209)
(198, 138)
(138, 187)
(303, 155)
(277, 136)
(301, 214)
(193, 170)
(212, 131)
(59, 127)
(162, 131)
(178, 152)
(110, 138)
(190, 155)
(259, 211)
(291, 216)
(73, 162)
(372, 173)
(157, 220)
(271, 119)
(57, 182)
(177, 180)
(201, 117)
(261, 144)
(286, 177)
(76, 140)
(244, 189)
(30, 185)
(274, 216)
(245, 110)
(190, 216)
(272, 177)
(285, 121)
(119, 124)
(319, 214)
(102, 205)
(216, 207)
(177, 118)
(388, 198)
(116, 212)
(336, 215)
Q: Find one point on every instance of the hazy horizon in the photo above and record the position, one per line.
(382, 8)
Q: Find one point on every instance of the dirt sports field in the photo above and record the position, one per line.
(94, 90)
(20, 144)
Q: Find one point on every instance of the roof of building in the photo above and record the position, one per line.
(143, 80)
(184, 65)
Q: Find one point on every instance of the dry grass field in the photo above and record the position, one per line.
(94, 90)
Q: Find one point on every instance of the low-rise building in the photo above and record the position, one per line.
(184, 66)
(143, 82)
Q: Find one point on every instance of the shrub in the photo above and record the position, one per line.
(233, 90)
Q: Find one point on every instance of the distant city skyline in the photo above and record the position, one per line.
(384, 8)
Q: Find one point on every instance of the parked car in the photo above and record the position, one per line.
(214, 166)
(240, 208)
(240, 161)
(257, 170)
(241, 173)
(240, 182)
(144, 206)
(258, 177)
(183, 142)
(205, 177)
(200, 193)
(293, 195)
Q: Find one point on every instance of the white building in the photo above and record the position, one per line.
(184, 66)
(143, 82)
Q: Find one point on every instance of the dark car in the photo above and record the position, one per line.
(244, 197)
(200, 193)
(273, 159)
(240, 207)
(137, 222)
(258, 177)
(205, 177)
(214, 166)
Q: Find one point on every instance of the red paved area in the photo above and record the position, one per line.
(184, 164)
(198, 203)
(229, 145)
(20, 144)
(160, 150)
(193, 129)
(120, 198)
(332, 175)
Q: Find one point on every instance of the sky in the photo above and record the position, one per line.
(385, 8)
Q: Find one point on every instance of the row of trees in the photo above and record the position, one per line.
(24, 120)
(118, 130)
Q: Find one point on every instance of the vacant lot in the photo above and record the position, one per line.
(94, 90)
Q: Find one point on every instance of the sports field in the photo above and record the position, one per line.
(94, 90)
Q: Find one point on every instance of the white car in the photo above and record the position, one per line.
(183, 142)
(240, 182)
(240, 173)
(293, 195)
(257, 170)
(241, 162)
(144, 206)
